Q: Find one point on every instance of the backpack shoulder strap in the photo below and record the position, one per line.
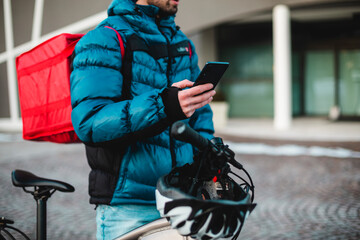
(135, 43)
(182, 48)
(160, 50)
(156, 51)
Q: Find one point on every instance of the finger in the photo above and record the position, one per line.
(183, 84)
(197, 90)
(187, 101)
(188, 111)
(201, 98)
(201, 104)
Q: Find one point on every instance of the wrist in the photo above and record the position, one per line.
(172, 105)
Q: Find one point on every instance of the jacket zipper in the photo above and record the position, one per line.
(169, 58)
(168, 69)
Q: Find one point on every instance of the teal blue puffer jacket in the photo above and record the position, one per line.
(127, 171)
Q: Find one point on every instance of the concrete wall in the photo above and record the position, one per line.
(57, 14)
(195, 15)
(192, 16)
(205, 43)
(22, 12)
(2, 30)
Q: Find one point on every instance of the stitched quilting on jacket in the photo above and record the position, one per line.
(127, 141)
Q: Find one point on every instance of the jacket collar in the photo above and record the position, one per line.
(124, 7)
(136, 14)
(149, 10)
(120, 7)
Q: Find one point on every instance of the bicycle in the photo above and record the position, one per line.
(43, 189)
(213, 160)
(222, 156)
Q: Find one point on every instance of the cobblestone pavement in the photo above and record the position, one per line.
(298, 197)
(70, 216)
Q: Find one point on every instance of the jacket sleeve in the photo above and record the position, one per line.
(201, 120)
(96, 82)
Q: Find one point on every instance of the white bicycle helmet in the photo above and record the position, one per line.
(201, 200)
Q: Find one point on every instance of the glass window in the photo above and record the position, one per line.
(349, 72)
(319, 82)
(248, 84)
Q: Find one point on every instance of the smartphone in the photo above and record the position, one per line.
(211, 73)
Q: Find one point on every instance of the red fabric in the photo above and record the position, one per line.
(190, 50)
(44, 90)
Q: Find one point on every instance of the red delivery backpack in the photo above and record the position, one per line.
(44, 89)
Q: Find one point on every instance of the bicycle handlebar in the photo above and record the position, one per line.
(183, 132)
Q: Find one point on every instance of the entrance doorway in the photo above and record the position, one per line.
(325, 68)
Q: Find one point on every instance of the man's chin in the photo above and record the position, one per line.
(168, 12)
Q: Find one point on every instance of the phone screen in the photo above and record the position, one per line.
(211, 73)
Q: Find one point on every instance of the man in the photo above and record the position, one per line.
(123, 107)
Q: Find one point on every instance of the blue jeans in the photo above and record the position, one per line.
(114, 221)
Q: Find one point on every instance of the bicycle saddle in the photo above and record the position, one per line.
(22, 178)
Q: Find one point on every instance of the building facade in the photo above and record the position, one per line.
(321, 75)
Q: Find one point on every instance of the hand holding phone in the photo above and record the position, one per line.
(211, 73)
(191, 98)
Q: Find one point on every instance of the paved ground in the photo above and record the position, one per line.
(70, 216)
(302, 197)
(302, 129)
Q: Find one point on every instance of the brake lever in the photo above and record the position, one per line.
(220, 149)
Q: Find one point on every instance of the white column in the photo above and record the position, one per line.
(282, 68)
(37, 21)
(11, 73)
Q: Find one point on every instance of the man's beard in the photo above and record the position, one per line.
(165, 8)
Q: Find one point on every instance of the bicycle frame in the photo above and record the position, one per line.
(4, 224)
(157, 230)
(42, 190)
